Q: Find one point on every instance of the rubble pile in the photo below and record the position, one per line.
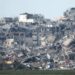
(31, 42)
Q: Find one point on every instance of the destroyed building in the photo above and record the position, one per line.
(31, 41)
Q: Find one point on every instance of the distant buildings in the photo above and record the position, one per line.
(26, 18)
(31, 38)
(30, 18)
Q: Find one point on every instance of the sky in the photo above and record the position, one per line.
(49, 8)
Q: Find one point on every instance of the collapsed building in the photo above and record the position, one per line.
(31, 41)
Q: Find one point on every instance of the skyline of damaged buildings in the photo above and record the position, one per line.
(35, 42)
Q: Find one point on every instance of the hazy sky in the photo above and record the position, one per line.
(49, 8)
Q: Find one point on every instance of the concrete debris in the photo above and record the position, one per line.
(31, 41)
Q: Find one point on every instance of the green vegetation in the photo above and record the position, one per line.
(37, 72)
